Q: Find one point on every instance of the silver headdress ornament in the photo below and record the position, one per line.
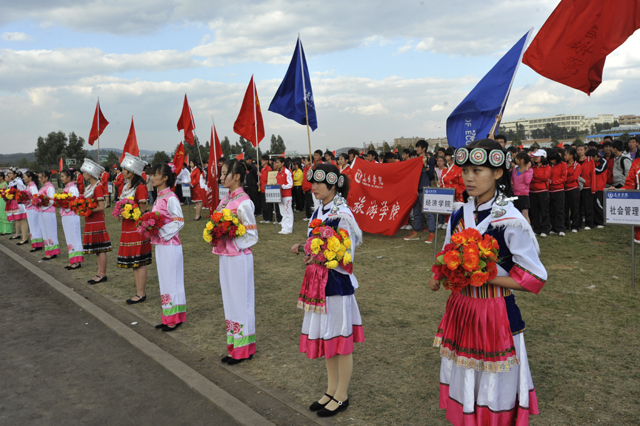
(91, 167)
(133, 164)
(338, 201)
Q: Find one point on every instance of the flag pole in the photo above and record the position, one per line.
(98, 131)
(504, 102)
(195, 137)
(304, 89)
(255, 118)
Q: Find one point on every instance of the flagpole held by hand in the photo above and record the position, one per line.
(304, 89)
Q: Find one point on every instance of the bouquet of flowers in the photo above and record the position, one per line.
(63, 200)
(469, 259)
(11, 194)
(223, 224)
(127, 208)
(83, 206)
(328, 247)
(40, 200)
(149, 224)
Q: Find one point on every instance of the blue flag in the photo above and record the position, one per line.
(476, 114)
(289, 99)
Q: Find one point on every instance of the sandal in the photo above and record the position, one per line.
(98, 281)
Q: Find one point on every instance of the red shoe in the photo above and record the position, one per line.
(430, 239)
(413, 237)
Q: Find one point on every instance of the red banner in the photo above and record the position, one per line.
(381, 196)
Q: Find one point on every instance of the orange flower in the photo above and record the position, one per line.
(314, 223)
(492, 270)
(471, 261)
(452, 259)
(458, 238)
(316, 231)
(478, 278)
(486, 246)
(216, 217)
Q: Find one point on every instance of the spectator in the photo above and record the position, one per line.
(608, 155)
(353, 154)
(267, 208)
(298, 177)
(285, 180)
(588, 179)
(600, 184)
(572, 190)
(520, 182)
(633, 147)
(328, 158)
(452, 176)
(184, 178)
(406, 154)
(372, 156)
(556, 193)
(343, 164)
(306, 189)
(251, 184)
(539, 194)
(502, 140)
(426, 176)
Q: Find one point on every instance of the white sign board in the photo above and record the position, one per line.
(438, 200)
(272, 194)
(622, 207)
(110, 184)
(186, 190)
(222, 192)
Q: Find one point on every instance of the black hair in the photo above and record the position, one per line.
(165, 170)
(413, 153)
(572, 152)
(607, 137)
(592, 152)
(353, 152)
(66, 172)
(449, 151)
(280, 159)
(501, 137)
(237, 168)
(2, 175)
(504, 183)
(632, 137)
(593, 144)
(134, 181)
(328, 168)
(317, 151)
(422, 144)
(523, 156)
(406, 151)
(328, 152)
(373, 153)
(617, 144)
(47, 173)
(513, 149)
(554, 155)
(33, 176)
(265, 157)
(345, 156)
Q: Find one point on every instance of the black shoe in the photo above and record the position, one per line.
(101, 280)
(341, 407)
(198, 218)
(159, 326)
(21, 243)
(71, 268)
(35, 249)
(234, 361)
(167, 328)
(226, 359)
(49, 258)
(140, 300)
(14, 237)
(317, 406)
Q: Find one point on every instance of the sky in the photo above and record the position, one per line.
(379, 69)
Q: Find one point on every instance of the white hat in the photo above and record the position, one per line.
(91, 167)
(540, 153)
(133, 164)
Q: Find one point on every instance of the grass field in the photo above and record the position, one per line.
(583, 329)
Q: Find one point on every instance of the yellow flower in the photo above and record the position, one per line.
(136, 214)
(330, 255)
(315, 245)
(207, 238)
(235, 221)
(333, 244)
(130, 198)
(241, 230)
(209, 226)
(347, 243)
(347, 258)
(126, 214)
(128, 207)
(340, 253)
(332, 265)
(226, 212)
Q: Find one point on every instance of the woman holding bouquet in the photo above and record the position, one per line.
(484, 374)
(5, 225)
(236, 267)
(16, 212)
(33, 212)
(96, 238)
(168, 248)
(47, 216)
(71, 224)
(134, 251)
(332, 321)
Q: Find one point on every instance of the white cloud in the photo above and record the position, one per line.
(437, 108)
(16, 37)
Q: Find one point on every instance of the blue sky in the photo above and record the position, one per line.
(379, 70)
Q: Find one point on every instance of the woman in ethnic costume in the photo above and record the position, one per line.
(134, 250)
(96, 239)
(71, 224)
(16, 212)
(5, 225)
(33, 212)
(168, 248)
(332, 334)
(236, 267)
(484, 374)
(48, 220)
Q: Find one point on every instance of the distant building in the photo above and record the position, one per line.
(580, 122)
(411, 142)
(628, 120)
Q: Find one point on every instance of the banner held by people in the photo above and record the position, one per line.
(382, 195)
(476, 115)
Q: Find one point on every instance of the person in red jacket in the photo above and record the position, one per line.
(608, 155)
(80, 183)
(119, 181)
(452, 176)
(306, 189)
(267, 208)
(572, 190)
(601, 169)
(557, 178)
(285, 180)
(588, 190)
(104, 182)
(633, 182)
(539, 194)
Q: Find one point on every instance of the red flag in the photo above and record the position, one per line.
(186, 160)
(334, 153)
(131, 144)
(215, 153)
(60, 163)
(573, 44)
(240, 156)
(395, 151)
(362, 151)
(98, 126)
(185, 122)
(380, 196)
(250, 113)
(178, 158)
(282, 155)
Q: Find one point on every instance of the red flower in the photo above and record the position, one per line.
(492, 270)
(478, 278)
(215, 217)
(314, 223)
(452, 259)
